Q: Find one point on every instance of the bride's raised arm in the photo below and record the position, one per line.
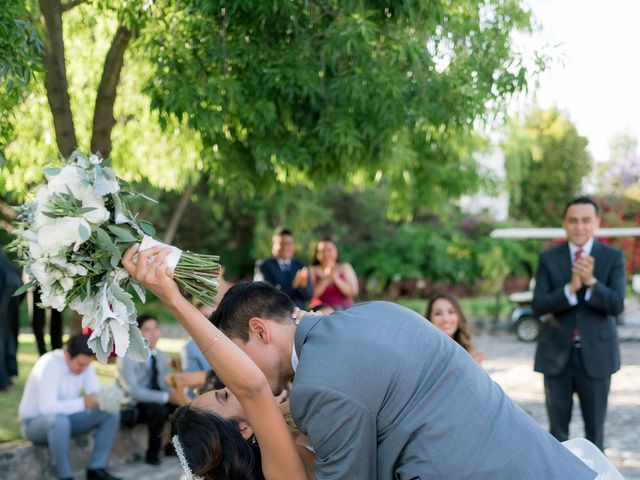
(280, 458)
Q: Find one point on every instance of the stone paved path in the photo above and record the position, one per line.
(510, 363)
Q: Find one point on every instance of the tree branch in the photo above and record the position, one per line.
(7, 211)
(103, 120)
(178, 212)
(69, 5)
(56, 76)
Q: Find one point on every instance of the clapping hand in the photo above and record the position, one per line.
(583, 267)
(301, 279)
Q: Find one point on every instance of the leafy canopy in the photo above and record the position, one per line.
(288, 91)
(546, 160)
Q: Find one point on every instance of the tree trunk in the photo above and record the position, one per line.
(179, 212)
(56, 76)
(103, 120)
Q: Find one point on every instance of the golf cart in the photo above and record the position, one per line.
(522, 320)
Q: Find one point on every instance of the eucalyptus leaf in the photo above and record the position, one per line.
(123, 234)
(104, 240)
(51, 171)
(25, 287)
(147, 227)
(51, 214)
(105, 181)
(115, 258)
(120, 215)
(84, 232)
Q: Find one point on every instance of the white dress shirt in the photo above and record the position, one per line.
(52, 388)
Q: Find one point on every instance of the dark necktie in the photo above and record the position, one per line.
(575, 334)
(155, 385)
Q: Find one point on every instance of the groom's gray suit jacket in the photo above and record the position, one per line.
(382, 394)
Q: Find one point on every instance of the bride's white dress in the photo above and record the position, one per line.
(594, 458)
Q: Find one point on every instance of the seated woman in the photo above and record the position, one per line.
(335, 284)
(209, 445)
(445, 313)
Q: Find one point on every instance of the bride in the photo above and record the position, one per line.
(211, 446)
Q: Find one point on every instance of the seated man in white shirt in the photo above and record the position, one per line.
(144, 384)
(60, 402)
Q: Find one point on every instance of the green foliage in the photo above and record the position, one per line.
(20, 50)
(142, 151)
(546, 160)
(288, 91)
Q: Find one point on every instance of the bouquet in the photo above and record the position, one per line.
(71, 239)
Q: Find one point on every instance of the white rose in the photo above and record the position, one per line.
(99, 214)
(61, 233)
(44, 278)
(42, 202)
(35, 251)
(54, 301)
(81, 271)
(66, 283)
(72, 178)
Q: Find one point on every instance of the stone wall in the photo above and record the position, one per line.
(25, 461)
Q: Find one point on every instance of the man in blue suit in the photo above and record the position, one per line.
(581, 284)
(285, 272)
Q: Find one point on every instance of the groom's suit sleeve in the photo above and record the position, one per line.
(341, 430)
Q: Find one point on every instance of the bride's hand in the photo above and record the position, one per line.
(150, 270)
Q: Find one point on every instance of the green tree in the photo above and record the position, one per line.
(360, 92)
(97, 44)
(546, 160)
(20, 49)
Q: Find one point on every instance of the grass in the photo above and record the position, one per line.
(27, 357)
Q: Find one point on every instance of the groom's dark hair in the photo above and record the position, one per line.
(244, 301)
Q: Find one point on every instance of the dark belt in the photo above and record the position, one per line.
(576, 344)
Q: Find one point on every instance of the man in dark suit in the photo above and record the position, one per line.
(9, 320)
(285, 272)
(581, 284)
(144, 384)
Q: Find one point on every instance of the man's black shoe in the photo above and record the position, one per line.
(152, 459)
(100, 474)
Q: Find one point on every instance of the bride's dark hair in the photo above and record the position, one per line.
(214, 447)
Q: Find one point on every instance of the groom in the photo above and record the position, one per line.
(381, 393)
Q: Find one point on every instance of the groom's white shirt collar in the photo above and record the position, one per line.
(586, 248)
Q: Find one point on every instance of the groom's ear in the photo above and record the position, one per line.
(259, 328)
